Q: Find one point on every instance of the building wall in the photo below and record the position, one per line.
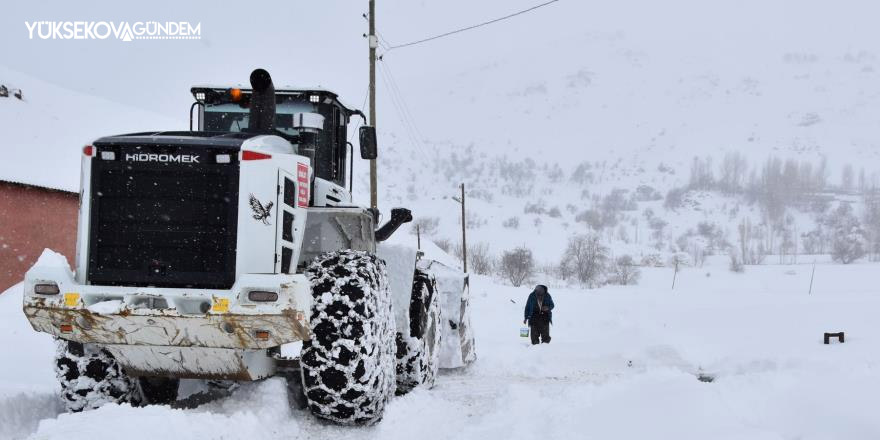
(32, 219)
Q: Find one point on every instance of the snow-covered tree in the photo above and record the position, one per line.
(624, 271)
(848, 238)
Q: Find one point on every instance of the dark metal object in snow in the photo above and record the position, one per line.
(261, 212)
(839, 337)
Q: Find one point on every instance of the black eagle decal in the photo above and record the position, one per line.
(261, 212)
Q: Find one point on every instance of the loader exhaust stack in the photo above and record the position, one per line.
(262, 112)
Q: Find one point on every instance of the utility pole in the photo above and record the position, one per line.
(463, 232)
(374, 42)
(463, 229)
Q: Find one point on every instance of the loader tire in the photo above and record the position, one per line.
(418, 353)
(348, 365)
(91, 377)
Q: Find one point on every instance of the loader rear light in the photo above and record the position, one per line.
(66, 328)
(108, 155)
(223, 158)
(46, 289)
(262, 296)
(262, 335)
(253, 155)
(89, 150)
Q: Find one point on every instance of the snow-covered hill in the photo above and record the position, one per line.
(597, 99)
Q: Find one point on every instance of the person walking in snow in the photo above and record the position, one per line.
(539, 314)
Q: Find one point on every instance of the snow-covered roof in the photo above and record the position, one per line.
(43, 134)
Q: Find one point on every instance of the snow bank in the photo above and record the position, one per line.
(623, 364)
(51, 259)
(106, 307)
(400, 260)
(257, 410)
(27, 378)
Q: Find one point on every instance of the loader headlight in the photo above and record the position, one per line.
(262, 296)
(46, 289)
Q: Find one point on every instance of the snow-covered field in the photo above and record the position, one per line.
(623, 363)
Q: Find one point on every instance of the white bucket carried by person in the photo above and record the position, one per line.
(524, 332)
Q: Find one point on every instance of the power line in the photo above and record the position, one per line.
(410, 133)
(397, 102)
(383, 42)
(358, 125)
(424, 40)
(407, 112)
(420, 138)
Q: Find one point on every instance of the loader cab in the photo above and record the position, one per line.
(314, 120)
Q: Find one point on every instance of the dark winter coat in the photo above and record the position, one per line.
(533, 313)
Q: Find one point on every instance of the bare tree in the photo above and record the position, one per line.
(427, 226)
(517, 265)
(848, 237)
(733, 172)
(444, 243)
(751, 243)
(511, 223)
(624, 271)
(847, 179)
(871, 220)
(587, 257)
(736, 264)
(479, 258)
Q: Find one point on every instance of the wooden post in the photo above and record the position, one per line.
(812, 275)
(674, 274)
(373, 42)
(418, 237)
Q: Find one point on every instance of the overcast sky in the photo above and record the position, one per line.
(320, 42)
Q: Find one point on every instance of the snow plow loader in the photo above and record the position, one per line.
(206, 254)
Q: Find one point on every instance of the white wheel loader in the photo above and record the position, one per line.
(202, 254)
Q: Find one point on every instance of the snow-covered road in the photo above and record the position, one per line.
(623, 364)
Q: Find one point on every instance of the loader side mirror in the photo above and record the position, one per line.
(367, 138)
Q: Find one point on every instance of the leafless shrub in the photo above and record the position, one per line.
(511, 223)
(848, 237)
(517, 265)
(624, 271)
(587, 256)
(479, 259)
(427, 226)
(736, 263)
(444, 243)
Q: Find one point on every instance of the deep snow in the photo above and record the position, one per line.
(623, 364)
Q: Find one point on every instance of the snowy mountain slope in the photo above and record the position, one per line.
(43, 134)
(618, 355)
(634, 89)
(635, 97)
